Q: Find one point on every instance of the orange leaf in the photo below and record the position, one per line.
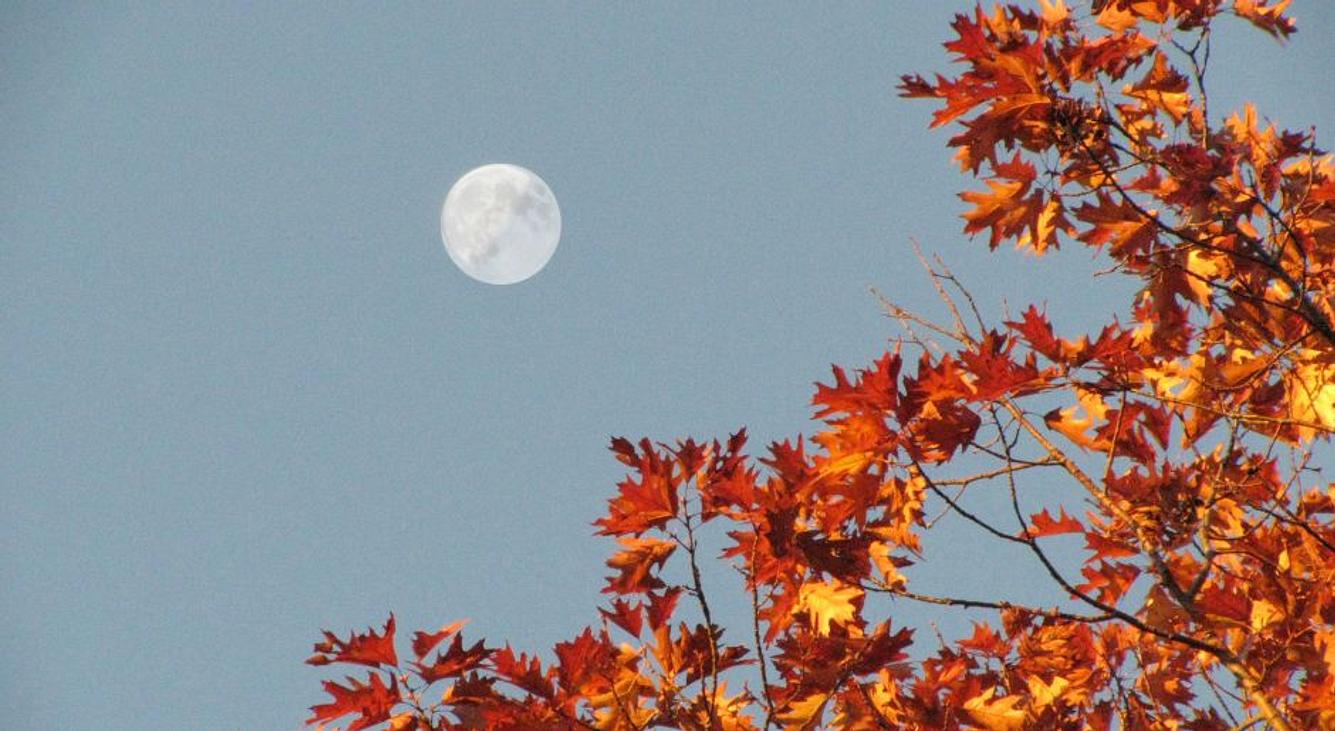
(1043, 524)
(826, 603)
(996, 715)
(1267, 17)
(1162, 88)
(636, 565)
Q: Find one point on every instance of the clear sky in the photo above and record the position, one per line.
(246, 395)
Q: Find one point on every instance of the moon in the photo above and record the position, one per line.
(500, 223)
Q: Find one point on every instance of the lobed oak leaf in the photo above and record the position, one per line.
(1111, 580)
(1051, 220)
(996, 715)
(804, 712)
(1269, 18)
(1162, 88)
(789, 461)
(880, 650)
(582, 660)
(1007, 208)
(1043, 524)
(645, 503)
(471, 689)
(1105, 547)
(454, 661)
(1264, 614)
(368, 648)
(887, 564)
(1224, 603)
(843, 558)
(1310, 389)
(828, 602)
(372, 701)
(986, 640)
(1070, 423)
(1115, 18)
(1044, 694)
(941, 428)
(996, 373)
(1161, 612)
(1113, 55)
(1117, 224)
(523, 671)
(627, 616)
(1034, 327)
(425, 642)
(695, 652)
(637, 563)
(1055, 13)
(874, 389)
(661, 606)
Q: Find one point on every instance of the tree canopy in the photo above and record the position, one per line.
(1185, 443)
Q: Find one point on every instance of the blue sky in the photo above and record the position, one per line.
(247, 395)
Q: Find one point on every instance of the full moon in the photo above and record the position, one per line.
(500, 223)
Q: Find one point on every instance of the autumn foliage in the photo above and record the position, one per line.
(1182, 445)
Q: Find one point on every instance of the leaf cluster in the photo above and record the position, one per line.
(1183, 447)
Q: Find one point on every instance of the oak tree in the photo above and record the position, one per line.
(1184, 440)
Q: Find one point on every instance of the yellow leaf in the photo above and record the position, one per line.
(846, 465)
(1069, 423)
(1044, 694)
(1311, 389)
(998, 715)
(1206, 268)
(880, 555)
(1115, 19)
(1264, 614)
(1325, 639)
(1054, 12)
(827, 602)
(803, 713)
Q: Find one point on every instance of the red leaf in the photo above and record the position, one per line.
(582, 659)
(362, 649)
(1224, 602)
(424, 642)
(941, 428)
(996, 373)
(661, 607)
(1043, 524)
(1110, 580)
(625, 615)
(1105, 548)
(372, 701)
(454, 661)
(523, 671)
(881, 649)
(986, 641)
(874, 390)
(644, 503)
(1037, 331)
